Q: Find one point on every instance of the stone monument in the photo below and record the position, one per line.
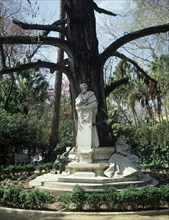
(94, 167)
(122, 163)
(87, 138)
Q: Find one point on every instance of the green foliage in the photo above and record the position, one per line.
(28, 91)
(17, 132)
(65, 199)
(66, 126)
(164, 191)
(111, 197)
(149, 141)
(39, 199)
(131, 198)
(95, 200)
(24, 101)
(78, 197)
(75, 199)
(11, 170)
(14, 197)
(18, 198)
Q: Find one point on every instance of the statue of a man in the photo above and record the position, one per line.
(86, 107)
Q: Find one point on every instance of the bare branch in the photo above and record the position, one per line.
(47, 28)
(111, 49)
(42, 41)
(101, 10)
(36, 65)
(56, 23)
(123, 57)
(110, 88)
(29, 2)
(45, 33)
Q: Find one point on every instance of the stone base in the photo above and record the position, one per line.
(96, 168)
(90, 176)
(65, 182)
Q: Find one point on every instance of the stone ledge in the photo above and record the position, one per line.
(97, 168)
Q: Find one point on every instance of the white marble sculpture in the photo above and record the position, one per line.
(86, 107)
(122, 163)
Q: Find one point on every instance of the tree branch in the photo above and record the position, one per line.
(111, 49)
(45, 33)
(101, 10)
(42, 41)
(110, 88)
(56, 23)
(36, 65)
(47, 28)
(123, 57)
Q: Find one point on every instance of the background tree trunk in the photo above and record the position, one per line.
(54, 133)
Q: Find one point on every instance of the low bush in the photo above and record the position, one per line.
(164, 191)
(19, 198)
(39, 199)
(95, 201)
(111, 197)
(14, 197)
(75, 199)
(12, 170)
(131, 198)
(78, 197)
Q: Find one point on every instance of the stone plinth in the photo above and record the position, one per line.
(102, 154)
(96, 168)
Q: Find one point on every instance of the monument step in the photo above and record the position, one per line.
(97, 184)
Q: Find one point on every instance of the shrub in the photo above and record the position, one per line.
(75, 199)
(14, 197)
(78, 197)
(111, 197)
(95, 200)
(164, 190)
(18, 132)
(151, 197)
(19, 168)
(65, 199)
(131, 198)
(39, 199)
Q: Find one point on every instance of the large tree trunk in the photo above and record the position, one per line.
(81, 29)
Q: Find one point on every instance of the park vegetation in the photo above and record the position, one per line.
(132, 91)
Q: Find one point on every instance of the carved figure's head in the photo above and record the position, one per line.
(83, 87)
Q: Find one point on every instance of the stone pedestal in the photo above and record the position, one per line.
(96, 168)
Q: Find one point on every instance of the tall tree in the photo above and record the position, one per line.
(84, 63)
(54, 133)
